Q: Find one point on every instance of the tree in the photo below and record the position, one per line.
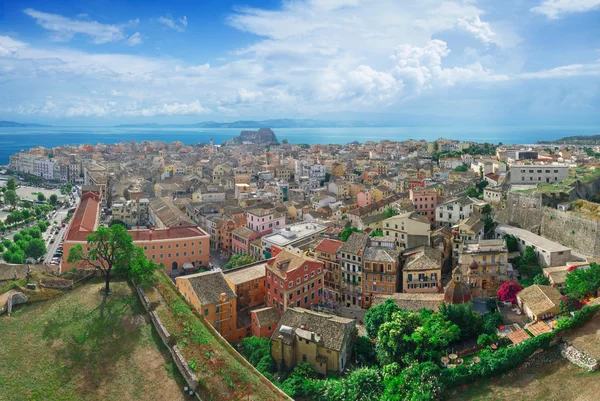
(511, 243)
(487, 339)
(377, 315)
(36, 248)
(529, 257)
(239, 260)
(346, 232)
(284, 141)
(11, 198)
(11, 185)
(41, 197)
(360, 384)
(469, 322)
(69, 188)
(472, 192)
(117, 221)
(390, 212)
(393, 337)
(508, 291)
(109, 248)
(491, 321)
(419, 382)
(365, 351)
(481, 172)
(583, 282)
(53, 199)
(257, 351)
(541, 279)
(140, 269)
(569, 304)
(376, 233)
(462, 168)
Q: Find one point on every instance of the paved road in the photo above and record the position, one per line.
(217, 260)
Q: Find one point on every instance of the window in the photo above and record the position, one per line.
(312, 274)
(305, 277)
(268, 274)
(305, 267)
(297, 281)
(205, 312)
(290, 284)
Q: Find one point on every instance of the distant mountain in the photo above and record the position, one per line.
(276, 123)
(264, 136)
(12, 124)
(575, 140)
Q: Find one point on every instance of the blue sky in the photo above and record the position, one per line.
(481, 62)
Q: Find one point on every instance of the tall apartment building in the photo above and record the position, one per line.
(326, 252)
(293, 280)
(380, 272)
(452, 211)
(483, 262)
(350, 255)
(424, 201)
(408, 230)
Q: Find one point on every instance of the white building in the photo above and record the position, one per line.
(534, 174)
(451, 212)
(291, 236)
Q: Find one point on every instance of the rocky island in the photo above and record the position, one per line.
(264, 136)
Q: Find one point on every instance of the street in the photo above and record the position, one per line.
(217, 260)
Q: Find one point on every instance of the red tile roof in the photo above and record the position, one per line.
(167, 233)
(329, 245)
(85, 219)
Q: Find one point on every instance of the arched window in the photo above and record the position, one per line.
(174, 266)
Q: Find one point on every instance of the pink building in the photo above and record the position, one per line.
(240, 240)
(364, 198)
(425, 201)
(263, 221)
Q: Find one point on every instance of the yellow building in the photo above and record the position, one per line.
(484, 262)
(381, 192)
(325, 341)
(422, 272)
(337, 170)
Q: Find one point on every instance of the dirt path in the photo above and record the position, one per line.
(4, 297)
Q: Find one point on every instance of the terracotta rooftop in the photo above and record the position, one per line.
(518, 336)
(266, 316)
(329, 245)
(540, 298)
(539, 328)
(208, 287)
(166, 233)
(412, 301)
(85, 219)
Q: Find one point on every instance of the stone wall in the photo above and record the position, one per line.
(530, 212)
(189, 376)
(573, 231)
(578, 357)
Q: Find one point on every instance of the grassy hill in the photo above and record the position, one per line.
(84, 346)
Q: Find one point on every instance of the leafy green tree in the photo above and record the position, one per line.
(11, 198)
(487, 339)
(346, 232)
(43, 226)
(41, 197)
(583, 282)
(36, 248)
(53, 199)
(239, 260)
(109, 248)
(462, 168)
(418, 382)
(469, 322)
(472, 192)
(11, 185)
(390, 212)
(376, 233)
(69, 188)
(393, 337)
(365, 351)
(541, 279)
(360, 384)
(117, 221)
(529, 257)
(511, 243)
(378, 315)
(491, 321)
(569, 304)
(140, 269)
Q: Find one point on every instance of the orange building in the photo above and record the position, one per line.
(248, 283)
(176, 248)
(212, 295)
(326, 252)
(264, 321)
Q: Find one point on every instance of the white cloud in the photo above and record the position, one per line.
(135, 39)
(9, 47)
(554, 9)
(173, 109)
(178, 24)
(65, 28)
(566, 71)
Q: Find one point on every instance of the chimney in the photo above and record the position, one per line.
(223, 297)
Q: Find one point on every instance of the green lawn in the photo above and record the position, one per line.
(82, 345)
